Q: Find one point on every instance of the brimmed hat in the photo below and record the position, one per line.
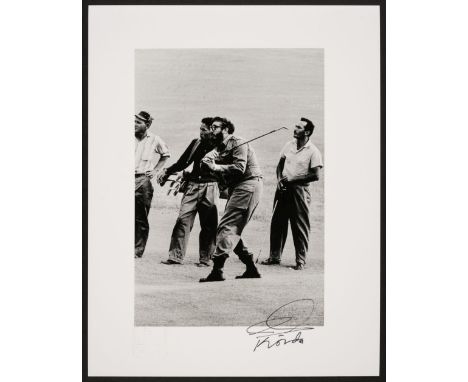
(144, 116)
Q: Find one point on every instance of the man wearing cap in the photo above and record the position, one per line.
(147, 165)
(299, 165)
(201, 196)
(235, 166)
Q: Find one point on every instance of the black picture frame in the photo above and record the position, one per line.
(85, 164)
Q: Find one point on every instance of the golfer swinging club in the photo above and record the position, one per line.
(238, 170)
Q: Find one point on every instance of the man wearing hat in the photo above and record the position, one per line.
(299, 165)
(147, 165)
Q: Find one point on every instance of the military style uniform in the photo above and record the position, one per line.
(238, 170)
(202, 196)
(293, 204)
(146, 150)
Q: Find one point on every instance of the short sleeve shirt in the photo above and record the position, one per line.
(298, 162)
(146, 152)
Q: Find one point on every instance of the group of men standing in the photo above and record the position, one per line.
(224, 163)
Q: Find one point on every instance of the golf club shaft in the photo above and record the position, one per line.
(260, 252)
(254, 139)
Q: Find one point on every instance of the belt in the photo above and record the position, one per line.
(202, 182)
(199, 178)
(254, 177)
(139, 175)
(298, 184)
(258, 177)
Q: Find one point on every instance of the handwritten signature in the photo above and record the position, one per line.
(277, 328)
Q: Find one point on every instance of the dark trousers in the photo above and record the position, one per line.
(143, 197)
(291, 206)
(202, 198)
(240, 206)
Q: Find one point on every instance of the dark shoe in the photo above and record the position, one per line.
(170, 262)
(298, 267)
(213, 276)
(202, 265)
(217, 271)
(250, 274)
(270, 262)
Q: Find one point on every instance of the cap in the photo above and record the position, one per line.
(144, 116)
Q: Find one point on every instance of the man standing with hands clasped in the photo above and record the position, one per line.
(299, 165)
(147, 146)
(235, 166)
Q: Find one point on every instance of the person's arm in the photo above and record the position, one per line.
(164, 154)
(160, 164)
(279, 173)
(313, 172)
(312, 175)
(279, 168)
(154, 172)
(181, 163)
(237, 167)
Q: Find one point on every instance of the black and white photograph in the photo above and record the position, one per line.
(234, 191)
(228, 186)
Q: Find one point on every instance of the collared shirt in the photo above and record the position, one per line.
(146, 152)
(228, 138)
(298, 162)
(235, 165)
(194, 153)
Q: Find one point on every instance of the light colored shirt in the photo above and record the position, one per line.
(147, 151)
(298, 162)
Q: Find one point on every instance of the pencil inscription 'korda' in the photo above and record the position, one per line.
(284, 326)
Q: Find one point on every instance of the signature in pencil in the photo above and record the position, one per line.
(284, 326)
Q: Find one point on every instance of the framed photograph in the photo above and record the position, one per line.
(239, 230)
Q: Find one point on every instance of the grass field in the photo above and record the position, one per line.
(263, 90)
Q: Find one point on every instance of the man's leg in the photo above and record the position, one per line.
(300, 222)
(184, 223)
(143, 197)
(208, 214)
(237, 213)
(278, 227)
(227, 237)
(247, 258)
(241, 250)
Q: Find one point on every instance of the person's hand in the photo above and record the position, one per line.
(150, 174)
(282, 183)
(210, 163)
(176, 179)
(162, 177)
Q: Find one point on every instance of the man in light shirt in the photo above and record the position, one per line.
(299, 164)
(147, 165)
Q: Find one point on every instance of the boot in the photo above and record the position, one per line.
(216, 273)
(251, 271)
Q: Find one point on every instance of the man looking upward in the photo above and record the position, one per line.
(201, 196)
(235, 166)
(299, 164)
(147, 146)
